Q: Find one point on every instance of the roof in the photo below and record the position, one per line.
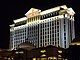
(20, 19)
(27, 43)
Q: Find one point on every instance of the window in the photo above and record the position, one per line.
(52, 23)
(41, 45)
(64, 34)
(64, 27)
(52, 35)
(48, 24)
(64, 42)
(52, 27)
(57, 30)
(64, 21)
(46, 40)
(65, 45)
(57, 22)
(64, 38)
(41, 37)
(58, 34)
(42, 25)
(57, 27)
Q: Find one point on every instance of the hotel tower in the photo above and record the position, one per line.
(54, 26)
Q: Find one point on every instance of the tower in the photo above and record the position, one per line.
(54, 26)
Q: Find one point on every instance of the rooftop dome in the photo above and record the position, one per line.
(26, 45)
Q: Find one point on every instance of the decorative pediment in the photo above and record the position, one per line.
(70, 11)
(33, 12)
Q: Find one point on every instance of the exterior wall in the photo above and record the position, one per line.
(56, 31)
(33, 34)
(11, 46)
(19, 36)
(55, 27)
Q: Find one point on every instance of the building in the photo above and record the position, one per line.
(26, 45)
(22, 52)
(42, 53)
(54, 26)
(18, 34)
(6, 54)
(46, 53)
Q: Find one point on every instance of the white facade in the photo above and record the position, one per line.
(54, 26)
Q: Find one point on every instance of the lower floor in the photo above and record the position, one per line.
(48, 58)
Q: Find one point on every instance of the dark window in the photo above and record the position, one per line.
(52, 23)
(57, 30)
(64, 21)
(40, 41)
(57, 27)
(64, 27)
(58, 34)
(64, 34)
(52, 27)
(57, 22)
(52, 35)
(64, 38)
(48, 36)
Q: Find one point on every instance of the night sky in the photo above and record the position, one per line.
(15, 9)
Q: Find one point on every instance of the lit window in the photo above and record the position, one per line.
(60, 51)
(43, 55)
(55, 58)
(42, 51)
(59, 55)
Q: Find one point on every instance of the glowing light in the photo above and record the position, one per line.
(59, 55)
(64, 7)
(9, 59)
(70, 11)
(50, 58)
(21, 52)
(34, 58)
(55, 58)
(76, 43)
(12, 25)
(32, 12)
(16, 52)
(43, 55)
(60, 51)
(19, 20)
(12, 58)
(42, 51)
(20, 27)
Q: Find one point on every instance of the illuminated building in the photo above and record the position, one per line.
(42, 53)
(18, 34)
(54, 26)
(46, 53)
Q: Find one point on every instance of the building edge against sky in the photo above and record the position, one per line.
(54, 26)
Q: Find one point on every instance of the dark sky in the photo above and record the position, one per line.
(14, 9)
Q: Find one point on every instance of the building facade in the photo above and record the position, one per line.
(46, 53)
(54, 26)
